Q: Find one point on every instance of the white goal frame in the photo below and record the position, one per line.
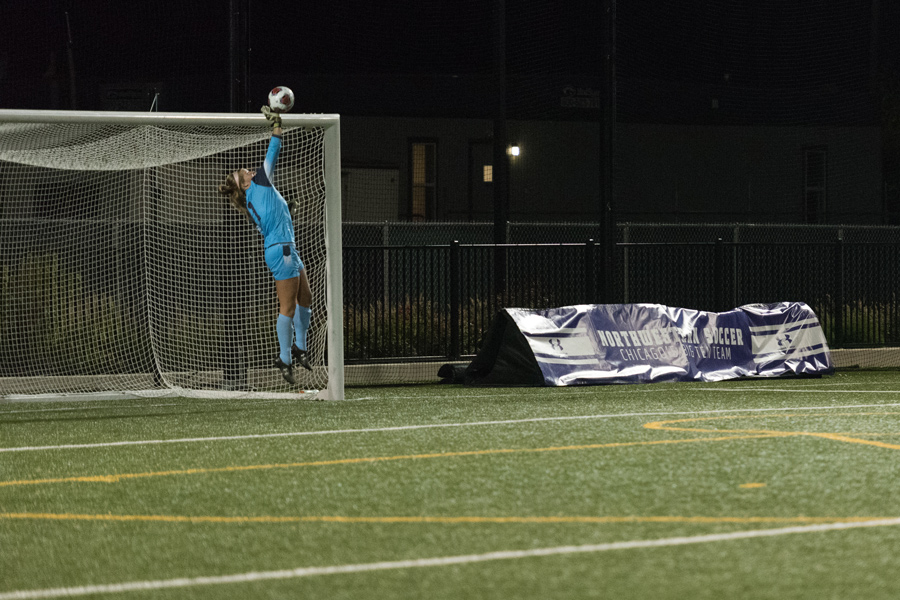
(329, 123)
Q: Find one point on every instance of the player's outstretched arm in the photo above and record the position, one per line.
(274, 143)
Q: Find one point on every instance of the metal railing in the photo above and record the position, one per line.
(431, 302)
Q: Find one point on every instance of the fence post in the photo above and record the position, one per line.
(719, 276)
(838, 291)
(455, 350)
(626, 238)
(590, 272)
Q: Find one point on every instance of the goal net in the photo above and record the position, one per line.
(124, 272)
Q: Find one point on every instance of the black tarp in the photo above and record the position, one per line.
(505, 359)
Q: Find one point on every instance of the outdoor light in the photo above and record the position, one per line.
(513, 150)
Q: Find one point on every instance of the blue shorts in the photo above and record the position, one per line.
(283, 261)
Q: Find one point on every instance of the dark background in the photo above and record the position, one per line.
(347, 56)
(340, 56)
(790, 63)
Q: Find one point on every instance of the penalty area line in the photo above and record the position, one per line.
(443, 561)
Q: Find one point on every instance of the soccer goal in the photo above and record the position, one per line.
(124, 273)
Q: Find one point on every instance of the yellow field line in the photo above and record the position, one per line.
(838, 437)
(535, 520)
(737, 434)
(114, 478)
(852, 440)
(664, 425)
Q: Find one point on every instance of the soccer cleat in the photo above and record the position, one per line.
(301, 357)
(287, 371)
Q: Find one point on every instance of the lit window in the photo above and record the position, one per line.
(488, 173)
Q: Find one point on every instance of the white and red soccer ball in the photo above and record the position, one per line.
(281, 99)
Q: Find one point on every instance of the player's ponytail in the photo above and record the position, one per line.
(236, 196)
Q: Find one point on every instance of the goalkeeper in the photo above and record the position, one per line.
(252, 194)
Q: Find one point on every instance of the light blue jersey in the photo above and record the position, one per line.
(267, 208)
(270, 213)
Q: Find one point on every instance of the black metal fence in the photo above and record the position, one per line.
(432, 302)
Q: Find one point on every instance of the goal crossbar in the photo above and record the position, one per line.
(160, 118)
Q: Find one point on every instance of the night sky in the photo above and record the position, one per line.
(183, 47)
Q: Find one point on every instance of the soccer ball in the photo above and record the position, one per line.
(281, 99)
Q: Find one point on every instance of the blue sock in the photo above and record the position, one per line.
(284, 327)
(301, 325)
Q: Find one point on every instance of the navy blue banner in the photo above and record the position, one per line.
(640, 343)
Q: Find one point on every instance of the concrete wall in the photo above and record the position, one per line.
(745, 173)
(662, 172)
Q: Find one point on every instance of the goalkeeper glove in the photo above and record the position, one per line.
(273, 117)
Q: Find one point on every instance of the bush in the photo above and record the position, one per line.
(50, 324)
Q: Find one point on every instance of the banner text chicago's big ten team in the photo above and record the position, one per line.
(635, 343)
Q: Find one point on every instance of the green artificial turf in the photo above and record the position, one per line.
(379, 496)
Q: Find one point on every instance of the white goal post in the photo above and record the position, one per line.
(124, 273)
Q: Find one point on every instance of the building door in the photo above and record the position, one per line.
(423, 180)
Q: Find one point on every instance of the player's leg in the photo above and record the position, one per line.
(286, 289)
(285, 266)
(302, 315)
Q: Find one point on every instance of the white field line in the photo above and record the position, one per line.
(497, 393)
(85, 408)
(494, 393)
(442, 561)
(131, 407)
(759, 385)
(426, 426)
